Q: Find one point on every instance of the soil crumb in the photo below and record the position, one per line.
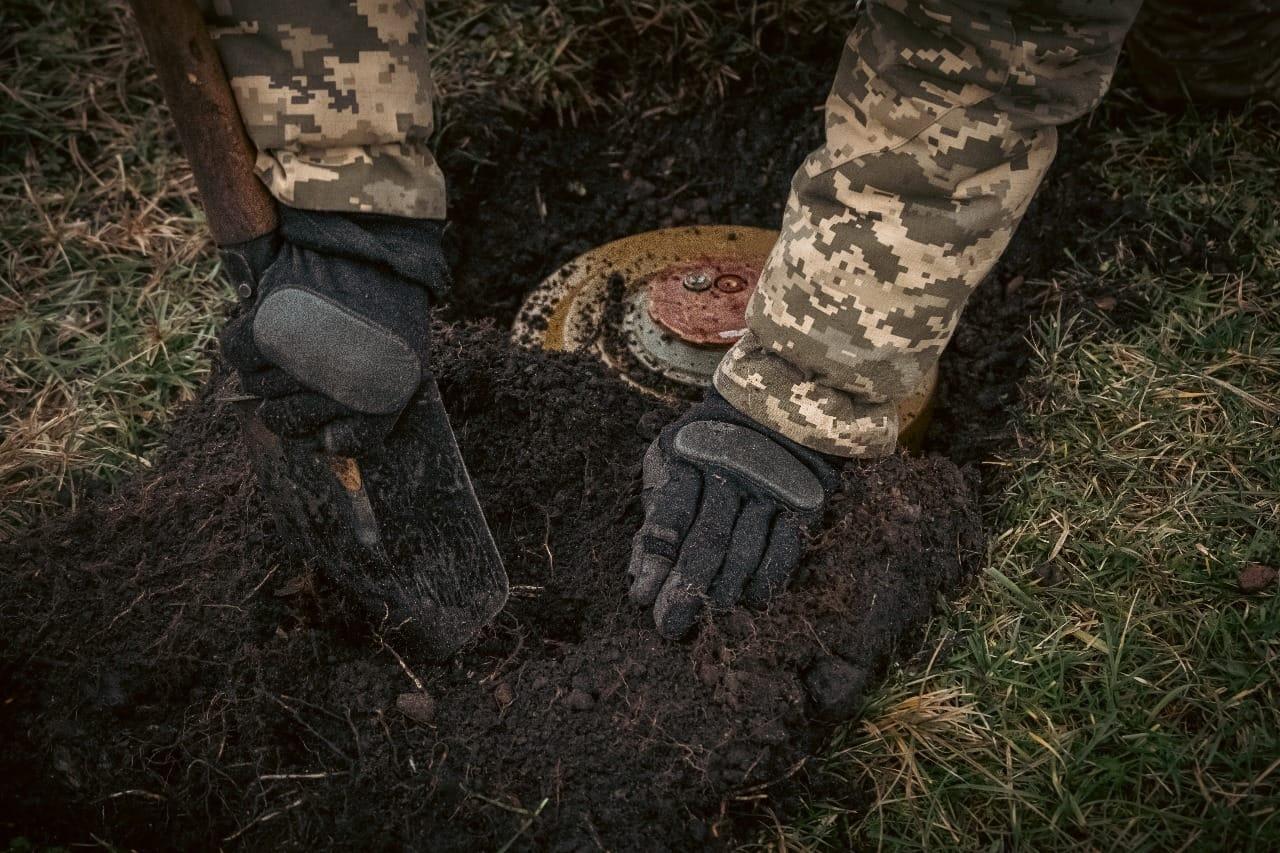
(173, 678)
(1256, 577)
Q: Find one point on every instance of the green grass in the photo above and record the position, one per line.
(107, 298)
(1109, 686)
(578, 57)
(1104, 686)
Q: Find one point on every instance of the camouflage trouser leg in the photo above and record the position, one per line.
(940, 126)
(336, 95)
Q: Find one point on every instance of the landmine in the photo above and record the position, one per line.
(661, 308)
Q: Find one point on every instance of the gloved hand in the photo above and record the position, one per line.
(726, 501)
(334, 335)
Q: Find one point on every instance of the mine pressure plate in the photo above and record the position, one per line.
(661, 308)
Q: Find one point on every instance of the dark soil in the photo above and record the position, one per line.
(174, 679)
(555, 192)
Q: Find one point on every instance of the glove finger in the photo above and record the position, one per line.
(238, 347)
(750, 537)
(669, 510)
(779, 561)
(258, 376)
(269, 384)
(355, 436)
(299, 414)
(657, 468)
(702, 554)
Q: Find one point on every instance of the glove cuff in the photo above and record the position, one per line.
(408, 247)
(243, 263)
(715, 407)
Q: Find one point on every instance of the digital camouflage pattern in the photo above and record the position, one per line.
(940, 126)
(336, 96)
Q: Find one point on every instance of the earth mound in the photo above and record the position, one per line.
(172, 677)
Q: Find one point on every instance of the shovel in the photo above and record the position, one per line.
(399, 531)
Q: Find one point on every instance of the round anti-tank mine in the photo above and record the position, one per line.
(661, 308)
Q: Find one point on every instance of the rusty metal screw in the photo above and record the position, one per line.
(730, 283)
(697, 282)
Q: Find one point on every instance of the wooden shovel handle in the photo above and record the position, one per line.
(238, 206)
(204, 110)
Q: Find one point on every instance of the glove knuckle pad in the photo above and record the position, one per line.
(336, 352)
(762, 464)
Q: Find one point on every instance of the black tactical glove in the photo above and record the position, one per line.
(726, 501)
(334, 334)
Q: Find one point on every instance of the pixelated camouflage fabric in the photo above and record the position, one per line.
(940, 125)
(337, 98)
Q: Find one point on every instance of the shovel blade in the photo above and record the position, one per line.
(399, 531)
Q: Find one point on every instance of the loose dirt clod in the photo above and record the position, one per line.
(419, 707)
(161, 694)
(1256, 577)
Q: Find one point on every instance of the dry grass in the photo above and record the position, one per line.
(578, 57)
(106, 294)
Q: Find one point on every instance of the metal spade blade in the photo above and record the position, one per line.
(399, 531)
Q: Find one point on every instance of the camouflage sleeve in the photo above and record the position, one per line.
(336, 95)
(940, 125)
